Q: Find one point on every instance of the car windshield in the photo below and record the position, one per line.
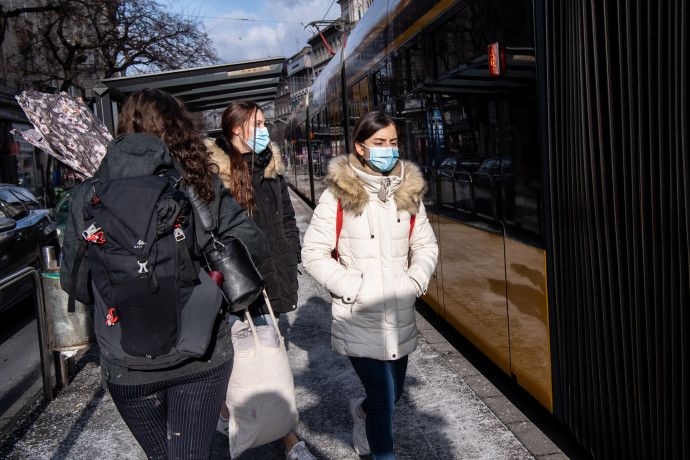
(27, 198)
(62, 206)
(11, 206)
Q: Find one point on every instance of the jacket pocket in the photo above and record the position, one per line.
(351, 285)
(407, 291)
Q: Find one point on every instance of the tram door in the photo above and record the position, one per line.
(470, 231)
(485, 166)
(520, 169)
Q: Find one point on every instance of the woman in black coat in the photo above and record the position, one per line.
(252, 170)
(154, 129)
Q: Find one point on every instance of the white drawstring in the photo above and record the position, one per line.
(369, 218)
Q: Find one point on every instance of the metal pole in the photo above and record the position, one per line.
(61, 370)
(40, 310)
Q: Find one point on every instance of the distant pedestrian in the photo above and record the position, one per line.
(171, 411)
(252, 169)
(386, 253)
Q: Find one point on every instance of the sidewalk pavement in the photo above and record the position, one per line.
(449, 410)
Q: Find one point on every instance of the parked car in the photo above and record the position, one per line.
(60, 212)
(24, 229)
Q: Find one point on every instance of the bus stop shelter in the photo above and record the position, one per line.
(201, 88)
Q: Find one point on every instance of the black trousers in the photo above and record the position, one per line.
(176, 418)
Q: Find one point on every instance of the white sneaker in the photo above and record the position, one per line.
(299, 452)
(223, 426)
(359, 431)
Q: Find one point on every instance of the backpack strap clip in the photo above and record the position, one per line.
(179, 234)
(94, 234)
(89, 232)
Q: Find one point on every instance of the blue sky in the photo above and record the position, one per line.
(268, 28)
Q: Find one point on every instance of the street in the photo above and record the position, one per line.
(19, 355)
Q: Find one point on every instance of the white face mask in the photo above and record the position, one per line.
(382, 159)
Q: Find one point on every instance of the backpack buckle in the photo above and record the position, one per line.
(89, 232)
(143, 267)
(94, 234)
(179, 234)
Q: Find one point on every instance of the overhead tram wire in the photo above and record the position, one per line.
(250, 20)
(329, 9)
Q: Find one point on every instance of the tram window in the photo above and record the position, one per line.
(416, 60)
(401, 66)
(357, 96)
(412, 123)
(446, 42)
(514, 24)
(350, 107)
(382, 84)
(463, 38)
(364, 95)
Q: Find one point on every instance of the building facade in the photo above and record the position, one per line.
(326, 44)
(351, 11)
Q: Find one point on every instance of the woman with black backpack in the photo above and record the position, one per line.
(172, 410)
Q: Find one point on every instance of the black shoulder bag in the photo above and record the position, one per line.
(236, 274)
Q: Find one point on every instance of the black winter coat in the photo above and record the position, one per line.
(138, 154)
(274, 215)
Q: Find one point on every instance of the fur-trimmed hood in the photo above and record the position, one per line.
(275, 168)
(221, 160)
(347, 187)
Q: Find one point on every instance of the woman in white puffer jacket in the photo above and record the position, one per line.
(387, 253)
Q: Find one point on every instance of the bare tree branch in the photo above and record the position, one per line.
(81, 41)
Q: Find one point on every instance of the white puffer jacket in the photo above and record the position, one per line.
(373, 287)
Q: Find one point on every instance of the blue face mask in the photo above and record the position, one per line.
(382, 159)
(262, 139)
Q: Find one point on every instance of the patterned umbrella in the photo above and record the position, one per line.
(65, 129)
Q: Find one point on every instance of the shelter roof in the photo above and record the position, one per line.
(205, 88)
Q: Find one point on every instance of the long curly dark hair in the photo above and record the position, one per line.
(237, 114)
(159, 114)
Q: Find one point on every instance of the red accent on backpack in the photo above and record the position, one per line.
(111, 319)
(338, 227)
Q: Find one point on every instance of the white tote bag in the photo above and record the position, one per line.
(261, 392)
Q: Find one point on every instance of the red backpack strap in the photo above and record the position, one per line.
(338, 227)
(412, 219)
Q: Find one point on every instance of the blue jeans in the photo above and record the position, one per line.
(383, 382)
